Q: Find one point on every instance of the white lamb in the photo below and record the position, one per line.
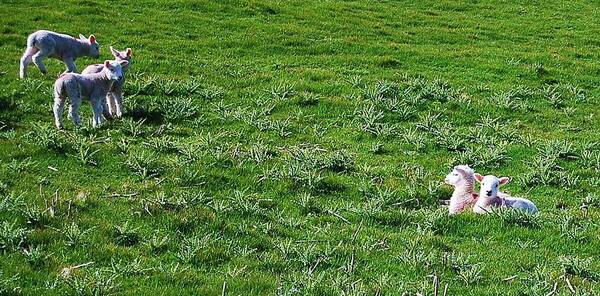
(42, 44)
(490, 197)
(463, 179)
(113, 105)
(91, 86)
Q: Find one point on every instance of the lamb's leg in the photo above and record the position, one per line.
(59, 105)
(26, 60)
(106, 111)
(97, 111)
(110, 104)
(70, 63)
(118, 97)
(38, 59)
(74, 108)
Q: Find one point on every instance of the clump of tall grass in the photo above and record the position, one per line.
(144, 163)
(92, 282)
(178, 108)
(9, 285)
(12, 237)
(517, 217)
(48, 137)
(467, 271)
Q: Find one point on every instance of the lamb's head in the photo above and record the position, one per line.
(94, 47)
(114, 69)
(461, 175)
(121, 55)
(490, 185)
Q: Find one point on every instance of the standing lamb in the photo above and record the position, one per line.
(463, 179)
(490, 197)
(113, 105)
(92, 86)
(42, 44)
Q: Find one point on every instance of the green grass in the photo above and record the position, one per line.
(299, 148)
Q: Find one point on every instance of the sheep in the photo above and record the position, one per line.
(113, 105)
(490, 197)
(463, 179)
(92, 86)
(42, 44)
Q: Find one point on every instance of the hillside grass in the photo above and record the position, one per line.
(300, 147)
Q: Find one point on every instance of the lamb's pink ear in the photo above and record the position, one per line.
(82, 37)
(92, 39)
(107, 64)
(128, 52)
(504, 180)
(124, 63)
(478, 177)
(115, 52)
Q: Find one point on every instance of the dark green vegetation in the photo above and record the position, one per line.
(299, 148)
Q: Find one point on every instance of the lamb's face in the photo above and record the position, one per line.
(95, 50)
(114, 70)
(490, 185)
(121, 55)
(94, 46)
(461, 175)
(454, 178)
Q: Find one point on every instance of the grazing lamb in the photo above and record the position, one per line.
(92, 86)
(463, 179)
(113, 105)
(42, 44)
(490, 197)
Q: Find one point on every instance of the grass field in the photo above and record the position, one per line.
(300, 147)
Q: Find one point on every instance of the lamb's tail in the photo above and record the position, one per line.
(31, 48)
(59, 86)
(27, 56)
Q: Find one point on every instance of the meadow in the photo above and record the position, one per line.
(300, 148)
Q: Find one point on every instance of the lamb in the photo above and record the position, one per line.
(92, 86)
(490, 197)
(42, 44)
(113, 105)
(463, 179)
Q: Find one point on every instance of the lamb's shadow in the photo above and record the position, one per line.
(9, 114)
(151, 116)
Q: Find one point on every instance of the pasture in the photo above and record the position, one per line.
(300, 148)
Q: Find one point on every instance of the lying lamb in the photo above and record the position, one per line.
(113, 106)
(463, 179)
(42, 44)
(490, 197)
(92, 86)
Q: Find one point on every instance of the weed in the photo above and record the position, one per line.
(35, 255)
(96, 282)
(74, 235)
(576, 266)
(126, 235)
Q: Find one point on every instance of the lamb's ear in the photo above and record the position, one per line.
(504, 180)
(124, 63)
(82, 37)
(107, 64)
(128, 52)
(92, 39)
(478, 177)
(115, 53)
